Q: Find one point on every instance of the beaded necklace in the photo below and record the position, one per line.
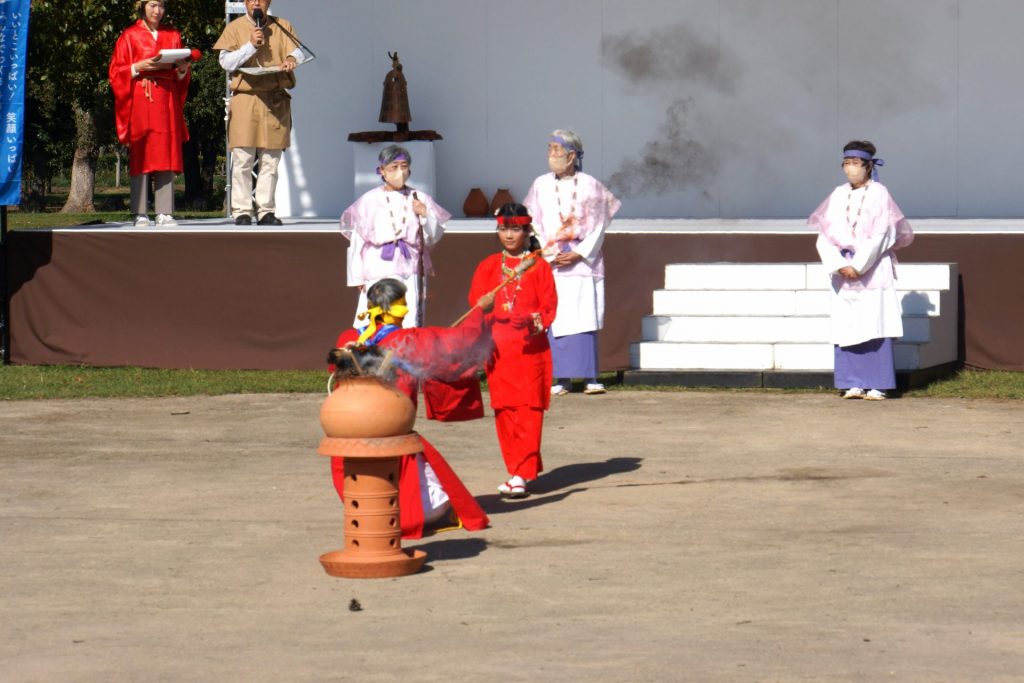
(507, 272)
(405, 214)
(567, 220)
(849, 201)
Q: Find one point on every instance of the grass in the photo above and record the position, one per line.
(21, 382)
(106, 197)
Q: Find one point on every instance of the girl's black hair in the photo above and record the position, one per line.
(862, 146)
(513, 209)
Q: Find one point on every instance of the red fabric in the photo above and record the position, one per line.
(409, 497)
(432, 352)
(456, 401)
(148, 108)
(519, 368)
(519, 431)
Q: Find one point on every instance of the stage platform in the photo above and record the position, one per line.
(209, 294)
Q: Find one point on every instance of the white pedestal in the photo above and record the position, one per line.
(422, 165)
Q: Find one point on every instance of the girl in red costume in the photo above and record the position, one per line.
(428, 488)
(519, 369)
(149, 97)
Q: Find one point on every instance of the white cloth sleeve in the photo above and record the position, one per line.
(868, 254)
(829, 254)
(590, 246)
(433, 231)
(355, 260)
(232, 60)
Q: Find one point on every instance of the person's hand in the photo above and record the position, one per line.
(565, 259)
(849, 273)
(485, 303)
(152, 64)
(289, 64)
(256, 37)
(182, 65)
(418, 207)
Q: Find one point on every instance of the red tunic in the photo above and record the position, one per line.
(448, 354)
(148, 108)
(519, 369)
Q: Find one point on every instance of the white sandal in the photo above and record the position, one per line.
(512, 490)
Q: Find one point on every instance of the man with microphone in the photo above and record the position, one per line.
(259, 116)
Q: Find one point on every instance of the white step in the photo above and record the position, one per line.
(777, 302)
(687, 356)
(728, 316)
(759, 329)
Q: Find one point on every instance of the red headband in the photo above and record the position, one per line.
(514, 220)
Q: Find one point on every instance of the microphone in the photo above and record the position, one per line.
(258, 17)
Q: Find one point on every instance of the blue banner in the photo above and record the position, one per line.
(13, 44)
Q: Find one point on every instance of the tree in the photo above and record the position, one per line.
(69, 52)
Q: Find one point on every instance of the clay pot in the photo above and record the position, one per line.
(475, 205)
(501, 198)
(366, 407)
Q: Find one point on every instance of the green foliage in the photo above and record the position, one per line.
(69, 51)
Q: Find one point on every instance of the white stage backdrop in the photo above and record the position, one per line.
(687, 108)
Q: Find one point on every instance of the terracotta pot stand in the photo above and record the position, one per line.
(373, 530)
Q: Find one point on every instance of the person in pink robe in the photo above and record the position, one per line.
(149, 99)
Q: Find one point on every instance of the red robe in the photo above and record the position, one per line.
(448, 354)
(148, 108)
(519, 369)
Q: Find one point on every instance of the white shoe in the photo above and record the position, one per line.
(515, 487)
(142, 221)
(875, 395)
(597, 388)
(855, 392)
(164, 220)
(558, 390)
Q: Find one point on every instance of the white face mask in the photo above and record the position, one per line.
(396, 178)
(856, 174)
(560, 165)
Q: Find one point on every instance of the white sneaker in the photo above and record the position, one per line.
(558, 390)
(164, 220)
(597, 388)
(875, 395)
(855, 392)
(142, 221)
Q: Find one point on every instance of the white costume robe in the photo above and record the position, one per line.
(580, 287)
(867, 225)
(382, 223)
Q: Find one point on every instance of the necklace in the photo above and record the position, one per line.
(849, 201)
(405, 214)
(565, 233)
(507, 272)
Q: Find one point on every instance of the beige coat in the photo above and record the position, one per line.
(260, 113)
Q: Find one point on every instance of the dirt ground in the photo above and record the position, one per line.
(698, 536)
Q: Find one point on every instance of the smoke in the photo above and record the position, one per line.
(671, 55)
(675, 159)
(420, 353)
(669, 59)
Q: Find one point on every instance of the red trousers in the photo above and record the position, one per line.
(519, 432)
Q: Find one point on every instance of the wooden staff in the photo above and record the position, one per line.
(529, 262)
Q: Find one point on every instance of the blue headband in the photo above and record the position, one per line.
(858, 154)
(558, 140)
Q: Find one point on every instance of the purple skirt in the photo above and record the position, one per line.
(574, 355)
(868, 365)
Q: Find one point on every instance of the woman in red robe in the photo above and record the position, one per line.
(519, 369)
(149, 98)
(428, 487)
